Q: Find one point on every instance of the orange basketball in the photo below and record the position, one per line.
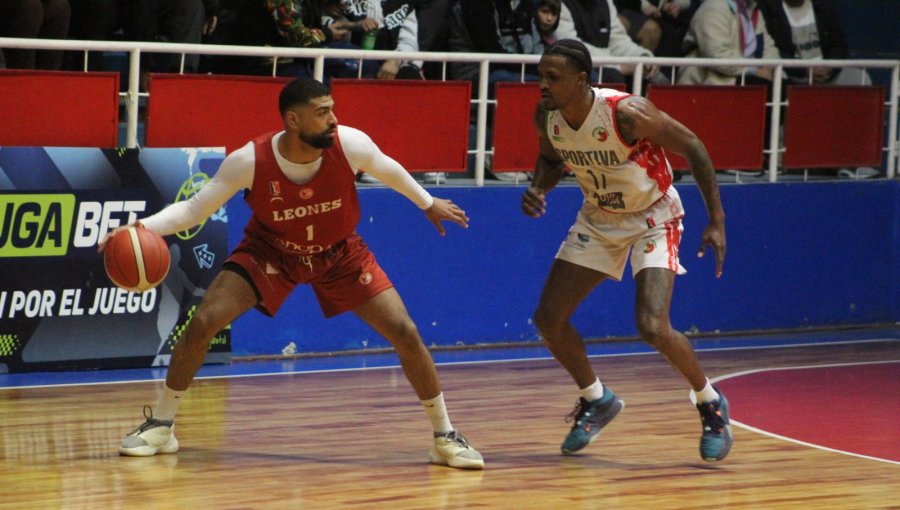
(136, 259)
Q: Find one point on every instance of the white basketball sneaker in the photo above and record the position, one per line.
(452, 449)
(152, 437)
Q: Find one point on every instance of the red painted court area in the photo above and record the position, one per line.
(852, 408)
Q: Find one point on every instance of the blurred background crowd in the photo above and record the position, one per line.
(713, 29)
(801, 29)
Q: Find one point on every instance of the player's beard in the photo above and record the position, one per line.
(321, 140)
(549, 102)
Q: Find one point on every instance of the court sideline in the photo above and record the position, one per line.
(341, 437)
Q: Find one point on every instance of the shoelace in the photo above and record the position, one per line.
(581, 407)
(711, 419)
(457, 438)
(148, 423)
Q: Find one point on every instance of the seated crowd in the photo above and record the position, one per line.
(804, 29)
(713, 29)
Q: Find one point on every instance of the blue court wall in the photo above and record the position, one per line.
(799, 255)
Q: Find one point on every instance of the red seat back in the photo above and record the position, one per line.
(187, 110)
(833, 126)
(424, 125)
(59, 109)
(516, 144)
(730, 120)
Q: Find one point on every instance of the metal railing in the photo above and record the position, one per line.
(482, 101)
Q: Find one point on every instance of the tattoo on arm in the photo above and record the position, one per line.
(625, 125)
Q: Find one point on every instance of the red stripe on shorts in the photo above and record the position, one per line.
(673, 237)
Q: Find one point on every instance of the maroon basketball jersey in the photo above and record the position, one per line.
(302, 219)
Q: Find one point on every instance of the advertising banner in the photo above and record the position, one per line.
(58, 308)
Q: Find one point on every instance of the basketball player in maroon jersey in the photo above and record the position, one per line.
(302, 192)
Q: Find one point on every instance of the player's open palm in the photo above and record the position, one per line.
(445, 210)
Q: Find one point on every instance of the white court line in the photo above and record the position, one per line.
(481, 362)
(797, 441)
(448, 363)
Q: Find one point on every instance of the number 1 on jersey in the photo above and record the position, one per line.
(309, 232)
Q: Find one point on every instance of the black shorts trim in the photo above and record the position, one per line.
(240, 271)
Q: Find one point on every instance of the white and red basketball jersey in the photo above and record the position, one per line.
(302, 219)
(614, 176)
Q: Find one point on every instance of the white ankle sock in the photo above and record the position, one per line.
(168, 404)
(707, 394)
(437, 414)
(593, 392)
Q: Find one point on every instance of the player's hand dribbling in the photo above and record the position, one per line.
(442, 210)
(109, 235)
(534, 202)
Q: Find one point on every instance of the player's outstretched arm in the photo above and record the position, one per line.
(445, 210)
(235, 173)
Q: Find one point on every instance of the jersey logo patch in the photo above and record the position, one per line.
(306, 193)
(600, 134)
(555, 136)
(613, 200)
(275, 191)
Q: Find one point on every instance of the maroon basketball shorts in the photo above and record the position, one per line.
(343, 277)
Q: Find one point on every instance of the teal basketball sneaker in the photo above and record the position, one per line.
(589, 418)
(715, 443)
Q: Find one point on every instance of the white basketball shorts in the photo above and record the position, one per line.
(601, 240)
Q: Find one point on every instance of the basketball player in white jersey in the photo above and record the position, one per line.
(614, 143)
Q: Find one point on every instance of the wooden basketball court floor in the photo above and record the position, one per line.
(309, 434)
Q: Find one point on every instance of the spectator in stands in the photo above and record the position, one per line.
(398, 31)
(335, 21)
(810, 30)
(300, 23)
(495, 26)
(333, 11)
(641, 26)
(546, 20)
(314, 23)
(279, 23)
(242, 23)
(34, 19)
(728, 29)
(173, 21)
(658, 25)
(92, 20)
(432, 17)
(596, 24)
(501, 26)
